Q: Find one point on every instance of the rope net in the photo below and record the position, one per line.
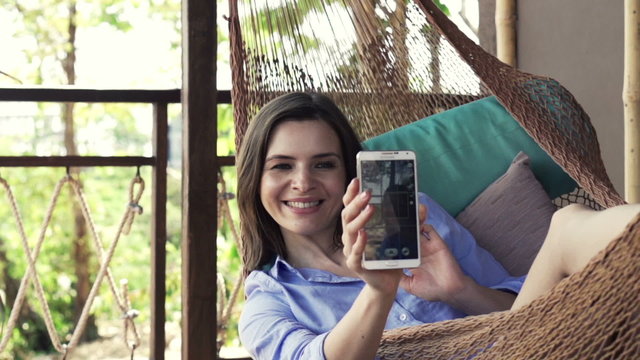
(593, 314)
(388, 63)
(131, 335)
(385, 66)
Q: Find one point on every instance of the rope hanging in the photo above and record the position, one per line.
(225, 306)
(131, 335)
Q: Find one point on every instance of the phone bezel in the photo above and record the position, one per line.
(376, 155)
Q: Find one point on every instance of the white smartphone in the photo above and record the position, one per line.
(393, 233)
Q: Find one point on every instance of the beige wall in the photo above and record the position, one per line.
(580, 44)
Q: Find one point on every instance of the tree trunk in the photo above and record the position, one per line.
(81, 254)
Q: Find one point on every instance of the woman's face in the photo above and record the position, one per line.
(303, 179)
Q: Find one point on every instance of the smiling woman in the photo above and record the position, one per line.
(303, 182)
(264, 155)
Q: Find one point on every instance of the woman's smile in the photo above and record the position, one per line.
(303, 179)
(303, 204)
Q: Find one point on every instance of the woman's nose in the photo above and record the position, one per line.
(302, 180)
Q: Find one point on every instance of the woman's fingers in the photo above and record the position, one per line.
(354, 258)
(426, 230)
(348, 237)
(355, 214)
(351, 228)
(354, 201)
(352, 191)
(422, 213)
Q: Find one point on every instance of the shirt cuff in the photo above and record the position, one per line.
(315, 349)
(511, 283)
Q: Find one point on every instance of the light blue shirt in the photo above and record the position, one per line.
(289, 312)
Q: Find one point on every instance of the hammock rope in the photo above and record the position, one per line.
(131, 334)
(592, 314)
(384, 77)
(225, 306)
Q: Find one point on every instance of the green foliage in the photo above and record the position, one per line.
(442, 7)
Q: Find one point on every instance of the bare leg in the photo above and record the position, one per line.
(577, 233)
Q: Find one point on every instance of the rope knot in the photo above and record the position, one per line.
(227, 196)
(130, 314)
(136, 208)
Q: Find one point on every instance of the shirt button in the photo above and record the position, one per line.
(403, 317)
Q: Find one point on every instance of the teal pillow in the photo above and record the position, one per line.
(463, 150)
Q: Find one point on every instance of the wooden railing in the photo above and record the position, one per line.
(159, 100)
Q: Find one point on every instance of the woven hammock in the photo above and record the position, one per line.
(389, 63)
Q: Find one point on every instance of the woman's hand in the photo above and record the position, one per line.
(355, 215)
(439, 277)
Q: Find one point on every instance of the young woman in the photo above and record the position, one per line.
(302, 219)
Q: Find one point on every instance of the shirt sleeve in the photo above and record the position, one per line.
(475, 261)
(268, 329)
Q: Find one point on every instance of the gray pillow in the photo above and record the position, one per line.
(511, 217)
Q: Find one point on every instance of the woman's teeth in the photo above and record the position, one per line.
(299, 204)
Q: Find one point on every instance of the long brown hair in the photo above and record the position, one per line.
(261, 239)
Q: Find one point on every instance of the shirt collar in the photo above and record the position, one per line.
(281, 269)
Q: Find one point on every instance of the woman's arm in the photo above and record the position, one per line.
(475, 299)
(357, 335)
(270, 328)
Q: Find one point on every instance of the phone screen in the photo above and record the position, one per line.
(392, 233)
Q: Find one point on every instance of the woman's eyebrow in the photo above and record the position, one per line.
(278, 157)
(329, 154)
(288, 157)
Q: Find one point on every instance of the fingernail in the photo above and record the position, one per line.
(426, 234)
(365, 193)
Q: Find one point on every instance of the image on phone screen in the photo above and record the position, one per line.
(392, 232)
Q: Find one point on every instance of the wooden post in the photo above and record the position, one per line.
(199, 179)
(159, 231)
(506, 37)
(631, 99)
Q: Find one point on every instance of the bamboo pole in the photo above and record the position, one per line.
(506, 31)
(631, 99)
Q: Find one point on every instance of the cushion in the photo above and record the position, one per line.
(511, 217)
(462, 150)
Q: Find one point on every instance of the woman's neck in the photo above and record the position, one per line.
(316, 253)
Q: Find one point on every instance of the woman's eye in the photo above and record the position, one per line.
(280, 167)
(326, 165)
